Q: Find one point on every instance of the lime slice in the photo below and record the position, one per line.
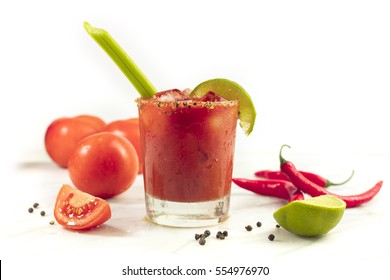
(231, 91)
(312, 216)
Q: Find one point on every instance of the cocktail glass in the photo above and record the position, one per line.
(188, 150)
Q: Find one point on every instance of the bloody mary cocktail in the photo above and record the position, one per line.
(188, 148)
(187, 142)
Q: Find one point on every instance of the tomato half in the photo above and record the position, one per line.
(128, 128)
(77, 210)
(103, 164)
(63, 135)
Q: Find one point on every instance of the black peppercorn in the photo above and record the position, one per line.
(220, 235)
(30, 210)
(35, 205)
(271, 237)
(197, 236)
(202, 240)
(248, 227)
(278, 226)
(206, 233)
(225, 233)
(43, 213)
(258, 224)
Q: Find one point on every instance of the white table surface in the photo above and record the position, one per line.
(317, 71)
(360, 240)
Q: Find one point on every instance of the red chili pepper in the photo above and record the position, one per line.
(317, 179)
(276, 188)
(305, 185)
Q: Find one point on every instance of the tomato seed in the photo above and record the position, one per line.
(51, 222)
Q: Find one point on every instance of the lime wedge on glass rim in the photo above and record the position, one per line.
(231, 91)
(312, 216)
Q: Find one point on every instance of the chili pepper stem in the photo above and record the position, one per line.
(281, 159)
(327, 182)
(330, 183)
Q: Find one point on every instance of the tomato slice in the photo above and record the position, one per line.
(78, 210)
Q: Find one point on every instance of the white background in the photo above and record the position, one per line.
(318, 71)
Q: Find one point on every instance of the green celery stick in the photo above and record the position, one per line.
(122, 60)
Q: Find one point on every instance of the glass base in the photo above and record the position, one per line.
(187, 214)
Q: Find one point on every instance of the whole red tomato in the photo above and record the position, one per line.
(128, 128)
(103, 164)
(64, 134)
(97, 122)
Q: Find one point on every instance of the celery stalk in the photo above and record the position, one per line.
(122, 60)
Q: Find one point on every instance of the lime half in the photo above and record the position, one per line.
(312, 216)
(231, 91)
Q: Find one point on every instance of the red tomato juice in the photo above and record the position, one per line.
(187, 145)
